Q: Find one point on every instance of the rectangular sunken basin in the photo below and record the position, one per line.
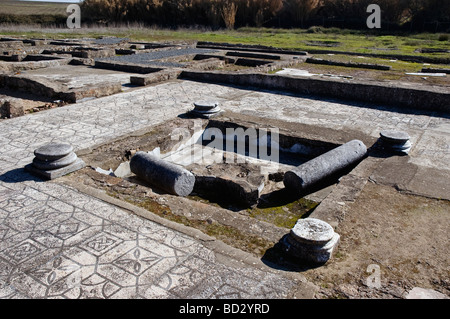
(236, 165)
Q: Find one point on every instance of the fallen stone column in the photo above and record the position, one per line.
(169, 177)
(324, 166)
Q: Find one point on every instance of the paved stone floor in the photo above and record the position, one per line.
(57, 242)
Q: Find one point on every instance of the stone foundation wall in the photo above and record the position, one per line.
(349, 64)
(429, 100)
(161, 76)
(31, 65)
(49, 89)
(126, 67)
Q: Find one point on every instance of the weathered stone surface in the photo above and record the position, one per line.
(59, 163)
(56, 173)
(205, 105)
(312, 231)
(395, 141)
(432, 99)
(11, 108)
(206, 109)
(311, 240)
(312, 172)
(395, 136)
(318, 254)
(422, 293)
(349, 64)
(53, 151)
(155, 77)
(169, 177)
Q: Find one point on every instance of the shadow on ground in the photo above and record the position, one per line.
(18, 175)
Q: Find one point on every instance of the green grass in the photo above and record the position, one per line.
(401, 66)
(355, 41)
(284, 216)
(228, 234)
(32, 7)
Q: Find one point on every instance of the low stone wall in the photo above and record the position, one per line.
(254, 55)
(91, 54)
(349, 64)
(207, 64)
(212, 56)
(156, 77)
(404, 97)
(432, 70)
(126, 67)
(10, 67)
(244, 47)
(408, 58)
(47, 89)
(11, 45)
(251, 62)
(54, 91)
(39, 57)
(173, 73)
(125, 51)
(260, 48)
(103, 89)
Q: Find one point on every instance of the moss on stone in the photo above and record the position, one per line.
(284, 216)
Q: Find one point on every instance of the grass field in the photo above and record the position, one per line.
(31, 7)
(300, 39)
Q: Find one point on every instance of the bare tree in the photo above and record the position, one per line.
(300, 10)
(228, 11)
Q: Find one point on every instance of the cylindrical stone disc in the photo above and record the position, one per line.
(59, 163)
(401, 147)
(211, 111)
(53, 151)
(205, 105)
(312, 231)
(396, 137)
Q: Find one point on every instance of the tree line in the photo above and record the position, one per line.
(419, 15)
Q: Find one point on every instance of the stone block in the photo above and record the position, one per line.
(56, 173)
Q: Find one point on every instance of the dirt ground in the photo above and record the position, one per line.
(405, 235)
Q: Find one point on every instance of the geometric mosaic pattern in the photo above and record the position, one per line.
(66, 244)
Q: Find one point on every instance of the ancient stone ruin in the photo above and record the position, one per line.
(55, 160)
(231, 145)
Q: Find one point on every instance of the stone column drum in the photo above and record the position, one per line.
(395, 141)
(54, 160)
(206, 109)
(311, 240)
(169, 177)
(310, 173)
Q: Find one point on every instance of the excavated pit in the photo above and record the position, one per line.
(234, 180)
